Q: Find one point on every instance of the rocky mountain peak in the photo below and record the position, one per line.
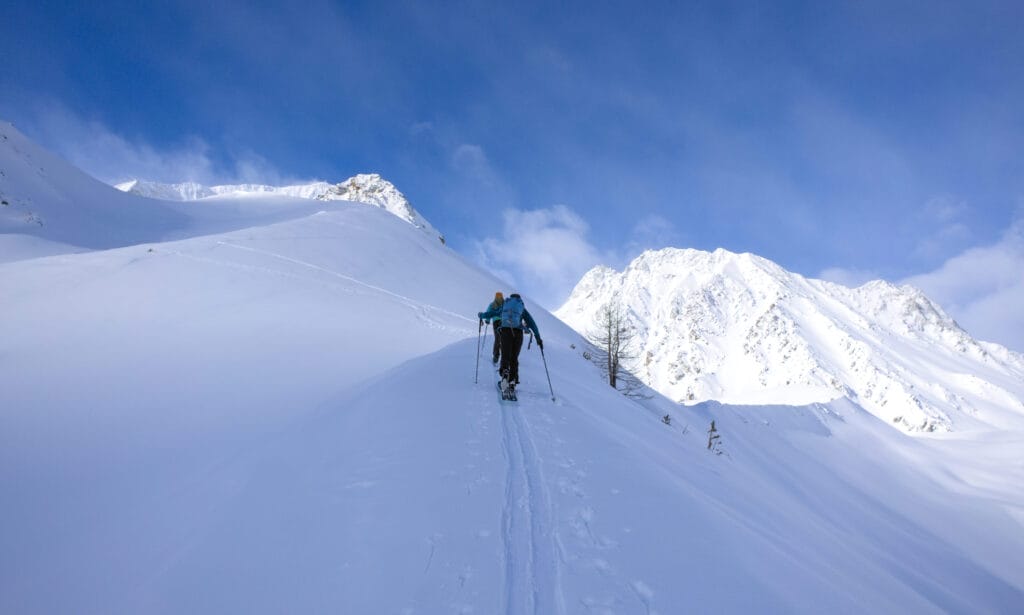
(739, 328)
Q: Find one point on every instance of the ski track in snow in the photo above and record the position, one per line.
(401, 298)
(532, 582)
(422, 309)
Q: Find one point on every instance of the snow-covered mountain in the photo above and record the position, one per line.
(739, 329)
(191, 191)
(272, 404)
(46, 205)
(368, 188)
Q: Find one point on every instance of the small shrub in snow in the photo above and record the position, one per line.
(714, 440)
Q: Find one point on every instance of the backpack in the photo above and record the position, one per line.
(512, 312)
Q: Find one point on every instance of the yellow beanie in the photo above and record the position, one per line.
(498, 297)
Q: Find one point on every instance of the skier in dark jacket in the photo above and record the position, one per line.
(495, 305)
(514, 318)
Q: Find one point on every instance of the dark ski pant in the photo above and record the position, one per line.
(497, 342)
(511, 343)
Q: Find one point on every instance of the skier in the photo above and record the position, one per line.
(513, 315)
(495, 305)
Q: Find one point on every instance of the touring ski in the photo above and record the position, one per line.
(509, 395)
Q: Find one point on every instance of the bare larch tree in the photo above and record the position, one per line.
(614, 338)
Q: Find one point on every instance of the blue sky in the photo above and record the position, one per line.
(846, 140)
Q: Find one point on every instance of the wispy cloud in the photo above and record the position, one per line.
(946, 216)
(848, 277)
(471, 160)
(542, 252)
(983, 288)
(652, 232)
(112, 157)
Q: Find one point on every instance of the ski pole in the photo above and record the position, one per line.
(476, 377)
(546, 373)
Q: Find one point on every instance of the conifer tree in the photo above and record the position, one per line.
(614, 338)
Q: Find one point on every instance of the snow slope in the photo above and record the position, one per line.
(43, 197)
(737, 328)
(49, 207)
(282, 417)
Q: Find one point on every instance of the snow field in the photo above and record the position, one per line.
(267, 405)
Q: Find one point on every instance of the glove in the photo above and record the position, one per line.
(540, 343)
(480, 315)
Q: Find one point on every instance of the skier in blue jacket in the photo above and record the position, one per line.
(514, 318)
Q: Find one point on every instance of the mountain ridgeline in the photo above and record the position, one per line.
(48, 206)
(739, 329)
(367, 188)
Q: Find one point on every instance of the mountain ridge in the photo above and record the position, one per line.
(739, 328)
(366, 188)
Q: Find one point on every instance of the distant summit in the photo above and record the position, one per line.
(740, 329)
(47, 206)
(367, 188)
(372, 189)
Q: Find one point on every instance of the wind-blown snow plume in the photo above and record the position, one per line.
(367, 188)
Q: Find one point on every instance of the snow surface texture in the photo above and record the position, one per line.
(278, 413)
(739, 329)
(368, 188)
